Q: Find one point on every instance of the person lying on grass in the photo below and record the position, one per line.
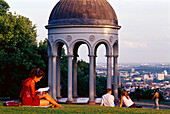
(28, 95)
(126, 100)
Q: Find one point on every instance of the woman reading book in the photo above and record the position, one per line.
(28, 95)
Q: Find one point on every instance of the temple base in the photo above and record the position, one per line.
(69, 102)
(92, 102)
(59, 97)
(80, 100)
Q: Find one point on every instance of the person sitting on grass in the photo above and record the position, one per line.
(132, 92)
(108, 99)
(125, 99)
(28, 95)
(138, 93)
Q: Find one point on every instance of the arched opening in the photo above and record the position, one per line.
(101, 70)
(63, 64)
(80, 69)
(58, 76)
(82, 52)
(115, 48)
(105, 78)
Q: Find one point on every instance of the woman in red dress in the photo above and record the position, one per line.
(28, 95)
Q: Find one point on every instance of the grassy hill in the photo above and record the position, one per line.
(78, 109)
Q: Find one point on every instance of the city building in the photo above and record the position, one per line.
(145, 77)
(160, 76)
(165, 73)
(138, 79)
(132, 70)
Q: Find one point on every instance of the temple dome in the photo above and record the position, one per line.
(83, 12)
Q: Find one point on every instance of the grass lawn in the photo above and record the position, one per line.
(77, 109)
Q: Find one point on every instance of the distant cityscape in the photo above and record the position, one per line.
(144, 75)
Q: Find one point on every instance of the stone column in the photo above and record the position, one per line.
(50, 74)
(95, 96)
(91, 80)
(115, 77)
(54, 77)
(58, 77)
(109, 71)
(75, 77)
(70, 98)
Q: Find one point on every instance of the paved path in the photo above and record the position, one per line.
(151, 105)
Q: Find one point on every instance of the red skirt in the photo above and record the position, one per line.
(30, 101)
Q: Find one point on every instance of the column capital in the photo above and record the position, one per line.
(52, 55)
(76, 55)
(115, 55)
(108, 55)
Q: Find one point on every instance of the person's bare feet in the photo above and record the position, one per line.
(58, 105)
(55, 106)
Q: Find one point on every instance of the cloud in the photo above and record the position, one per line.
(135, 44)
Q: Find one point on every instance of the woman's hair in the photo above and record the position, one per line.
(36, 72)
(124, 93)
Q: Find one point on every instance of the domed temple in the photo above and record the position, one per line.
(75, 22)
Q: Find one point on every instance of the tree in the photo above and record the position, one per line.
(82, 78)
(101, 83)
(19, 54)
(42, 51)
(3, 7)
(64, 74)
(18, 51)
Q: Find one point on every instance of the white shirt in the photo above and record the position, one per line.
(108, 100)
(127, 102)
(132, 90)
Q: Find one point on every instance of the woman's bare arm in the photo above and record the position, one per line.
(121, 101)
(154, 96)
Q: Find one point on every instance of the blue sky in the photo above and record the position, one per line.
(144, 36)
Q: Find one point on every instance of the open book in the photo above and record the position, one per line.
(42, 91)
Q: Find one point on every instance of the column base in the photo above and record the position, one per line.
(117, 102)
(92, 102)
(75, 96)
(69, 102)
(59, 97)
